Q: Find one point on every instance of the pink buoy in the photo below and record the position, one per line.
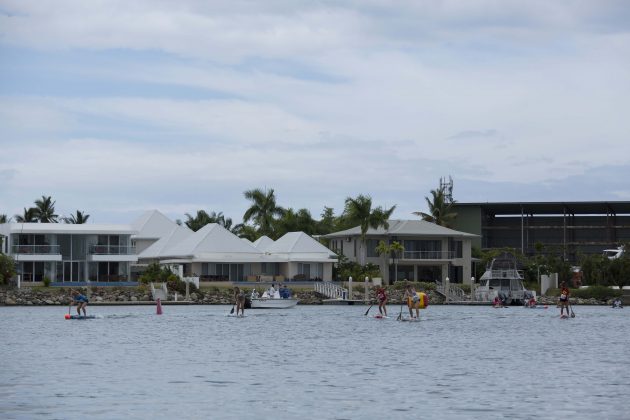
(159, 307)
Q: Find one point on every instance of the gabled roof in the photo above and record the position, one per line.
(263, 243)
(177, 234)
(211, 242)
(404, 228)
(298, 246)
(153, 225)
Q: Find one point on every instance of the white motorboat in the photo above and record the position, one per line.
(502, 279)
(272, 302)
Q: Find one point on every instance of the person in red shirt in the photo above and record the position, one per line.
(563, 302)
(381, 296)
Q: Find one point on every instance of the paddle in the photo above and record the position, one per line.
(366, 312)
(572, 313)
(232, 310)
(400, 314)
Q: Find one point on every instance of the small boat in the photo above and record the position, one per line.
(272, 302)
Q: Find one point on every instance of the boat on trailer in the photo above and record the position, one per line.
(504, 280)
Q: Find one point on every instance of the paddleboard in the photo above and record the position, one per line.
(410, 319)
(564, 316)
(81, 317)
(236, 316)
(379, 316)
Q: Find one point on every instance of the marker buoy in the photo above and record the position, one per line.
(67, 316)
(159, 307)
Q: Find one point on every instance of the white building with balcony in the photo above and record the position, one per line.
(65, 253)
(431, 252)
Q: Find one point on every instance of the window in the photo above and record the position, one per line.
(371, 248)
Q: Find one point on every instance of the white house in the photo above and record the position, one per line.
(70, 252)
(120, 253)
(431, 252)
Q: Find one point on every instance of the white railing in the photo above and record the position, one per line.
(427, 255)
(452, 293)
(161, 292)
(36, 249)
(111, 250)
(331, 290)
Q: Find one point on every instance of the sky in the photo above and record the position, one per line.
(118, 107)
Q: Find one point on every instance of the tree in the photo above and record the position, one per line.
(7, 268)
(263, 211)
(359, 210)
(4, 218)
(203, 218)
(45, 210)
(440, 211)
(29, 216)
(395, 250)
(292, 221)
(77, 219)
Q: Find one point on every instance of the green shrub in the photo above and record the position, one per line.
(596, 292)
(591, 292)
(46, 282)
(7, 268)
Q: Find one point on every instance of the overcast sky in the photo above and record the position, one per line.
(117, 107)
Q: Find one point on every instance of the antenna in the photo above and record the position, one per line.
(447, 188)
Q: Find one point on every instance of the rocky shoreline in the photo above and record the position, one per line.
(212, 296)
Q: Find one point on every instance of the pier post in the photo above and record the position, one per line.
(447, 286)
(350, 288)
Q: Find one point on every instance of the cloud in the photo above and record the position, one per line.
(187, 104)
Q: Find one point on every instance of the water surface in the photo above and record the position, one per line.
(325, 362)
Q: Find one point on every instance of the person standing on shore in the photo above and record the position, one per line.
(563, 302)
(81, 301)
(239, 300)
(381, 296)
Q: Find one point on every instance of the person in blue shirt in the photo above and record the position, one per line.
(81, 301)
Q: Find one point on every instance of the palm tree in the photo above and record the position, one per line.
(29, 216)
(263, 211)
(4, 218)
(439, 209)
(45, 210)
(77, 219)
(395, 250)
(359, 210)
(203, 218)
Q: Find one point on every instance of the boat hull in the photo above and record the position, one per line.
(266, 303)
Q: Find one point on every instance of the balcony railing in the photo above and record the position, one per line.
(36, 249)
(428, 255)
(111, 250)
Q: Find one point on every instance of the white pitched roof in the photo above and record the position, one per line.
(263, 243)
(298, 246)
(404, 228)
(153, 225)
(177, 234)
(214, 243)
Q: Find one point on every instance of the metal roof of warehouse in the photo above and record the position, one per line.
(570, 207)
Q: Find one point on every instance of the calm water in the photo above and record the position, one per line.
(327, 362)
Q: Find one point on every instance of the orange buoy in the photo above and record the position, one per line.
(67, 316)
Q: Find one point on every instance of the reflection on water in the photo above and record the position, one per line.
(328, 362)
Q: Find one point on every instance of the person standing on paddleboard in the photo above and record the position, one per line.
(239, 297)
(81, 301)
(412, 301)
(563, 302)
(381, 296)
